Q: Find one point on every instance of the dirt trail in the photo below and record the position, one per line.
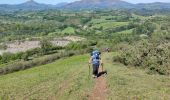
(100, 89)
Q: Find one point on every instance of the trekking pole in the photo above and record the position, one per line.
(102, 66)
(89, 70)
(104, 71)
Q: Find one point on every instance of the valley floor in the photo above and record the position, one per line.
(68, 79)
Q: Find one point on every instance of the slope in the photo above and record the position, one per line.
(63, 79)
(67, 79)
(134, 84)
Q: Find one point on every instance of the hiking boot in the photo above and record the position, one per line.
(94, 76)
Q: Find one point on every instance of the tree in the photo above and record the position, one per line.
(150, 27)
(145, 28)
(6, 57)
(45, 46)
(25, 56)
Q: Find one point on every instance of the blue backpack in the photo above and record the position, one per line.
(95, 57)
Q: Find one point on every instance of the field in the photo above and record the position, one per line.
(108, 25)
(68, 30)
(126, 32)
(102, 19)
(68, 78)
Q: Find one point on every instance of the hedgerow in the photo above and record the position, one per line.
(22, 65)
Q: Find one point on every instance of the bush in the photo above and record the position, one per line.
(154, 56)
(45, 46)
(77, 46)
(46, 49)
(22, 65)
(7, 57)
(3, 46)
(146, 28)
(92, 43)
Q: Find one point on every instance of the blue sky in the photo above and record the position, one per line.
(58, 1)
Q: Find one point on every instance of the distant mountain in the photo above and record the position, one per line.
(98, 4)
(32, 5)
(85, 4)
(155, 5)
(29, 5)
(61, 4)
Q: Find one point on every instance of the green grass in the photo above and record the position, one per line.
(139, 17)
(108, 25)
(95, 21)
(102, 19)
(64, 79)
(134, 84)
(105, 17)
(69, 30)
(126, 32)
(67, 79)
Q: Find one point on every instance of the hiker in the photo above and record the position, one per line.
(96, 62)
(107, 49)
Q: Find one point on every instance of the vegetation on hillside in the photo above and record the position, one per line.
(153, 55)
(137, 39)
(101, 28)
(151, 51)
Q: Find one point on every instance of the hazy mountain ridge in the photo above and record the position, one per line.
(155, 5)
(90, 4)
(30, 5)
(85, 4)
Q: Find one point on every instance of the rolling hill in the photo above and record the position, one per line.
(84, 4)
(155, 5)
(30, 5)
(98, 4)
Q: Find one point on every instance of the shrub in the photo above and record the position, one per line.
(25, 56)
(3, 46)
(154, 56)
(7, 57)
(45, 46)
(77, 46)
(22, 65)
(146, 28)
(92, 43)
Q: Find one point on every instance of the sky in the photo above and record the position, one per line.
(58, 1)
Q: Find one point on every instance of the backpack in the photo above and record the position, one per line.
(95, 57)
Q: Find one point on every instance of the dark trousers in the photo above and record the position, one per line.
(95, 69)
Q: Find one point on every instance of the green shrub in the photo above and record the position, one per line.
(22, 65)
(154, 56)
(77, 46)
(3, 46)
(146, 28)
(45, 46)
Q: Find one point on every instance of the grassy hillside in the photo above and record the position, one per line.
(135, 84)
(126, 32)
(69, 30)
(68, 79)
(108, 25)
(62, 79)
